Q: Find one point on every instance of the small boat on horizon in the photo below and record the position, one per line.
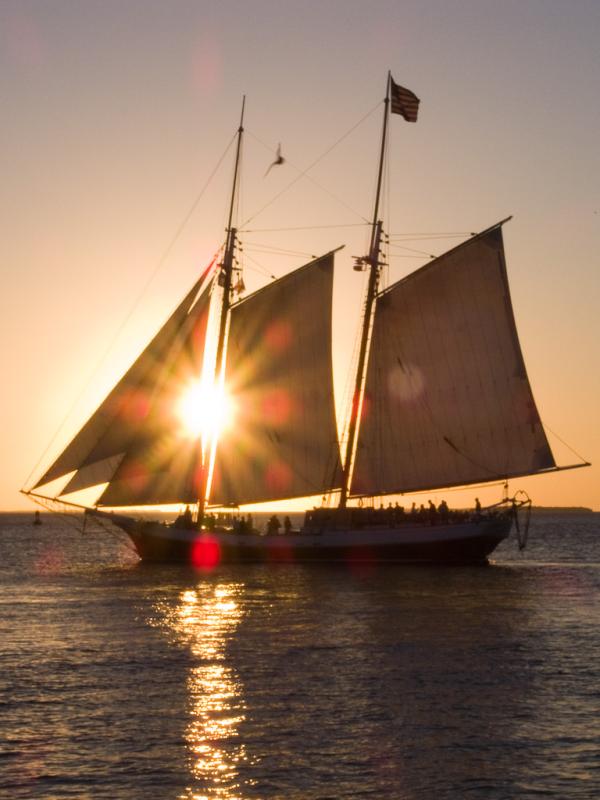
(441, 399)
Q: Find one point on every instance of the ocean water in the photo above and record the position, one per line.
(121, 680)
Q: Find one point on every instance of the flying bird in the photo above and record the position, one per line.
(279, 159)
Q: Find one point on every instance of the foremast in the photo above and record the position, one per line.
(225, 281)
(374, 272)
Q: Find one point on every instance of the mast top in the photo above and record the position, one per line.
(236, 168)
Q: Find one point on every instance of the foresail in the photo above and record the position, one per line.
(163, 459)
(106, 436)
(110, 429)
(447, 399)
(163, 474)
(283, 440)
(93, 474)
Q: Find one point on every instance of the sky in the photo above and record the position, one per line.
(115, 114)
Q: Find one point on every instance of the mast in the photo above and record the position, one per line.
(373, 260)
(225, 276)
(227, 265)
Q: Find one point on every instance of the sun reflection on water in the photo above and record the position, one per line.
(206, 617)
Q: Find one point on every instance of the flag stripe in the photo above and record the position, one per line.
(404, 102)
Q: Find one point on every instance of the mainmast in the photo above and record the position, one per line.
(225, 281)
(374, 271)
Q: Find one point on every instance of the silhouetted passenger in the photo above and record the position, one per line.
(432, 513)
(184, 520)
(400, 515)
(273, 525)
(443, 512)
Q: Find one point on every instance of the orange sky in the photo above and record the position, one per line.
(115, 115)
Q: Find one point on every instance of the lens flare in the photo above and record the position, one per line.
(204, 410)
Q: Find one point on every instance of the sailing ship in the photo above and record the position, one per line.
(441, 399)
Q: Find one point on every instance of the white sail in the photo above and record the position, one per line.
(447, 400)
(283, 440)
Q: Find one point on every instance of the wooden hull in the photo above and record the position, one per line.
(463, 542)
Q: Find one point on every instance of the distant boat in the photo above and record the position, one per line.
(37, 520)
(441, 399)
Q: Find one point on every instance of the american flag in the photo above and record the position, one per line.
(404, 102)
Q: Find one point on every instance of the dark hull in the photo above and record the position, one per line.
(468, 542)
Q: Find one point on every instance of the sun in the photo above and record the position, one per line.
(204, 410)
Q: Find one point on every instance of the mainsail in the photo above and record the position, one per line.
(447, 400)
(129, 425)
(283, 442)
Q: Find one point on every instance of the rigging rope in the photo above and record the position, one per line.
(411, 250)
(259, 267)
(304, 228)
(438, 235)
(405, 255)
(568, 446)
(72, 519)
(304, 173)
(56, 507)
(257, 247)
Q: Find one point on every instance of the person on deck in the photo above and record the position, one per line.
(184, 520)
(443, 511)
(273, 524)
(432, 513)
